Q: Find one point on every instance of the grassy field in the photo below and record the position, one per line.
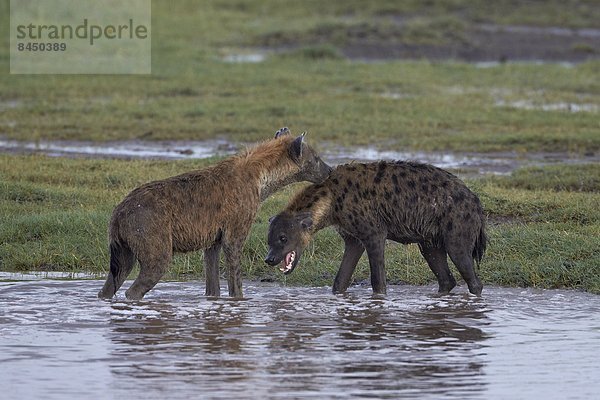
(543, 234)
(193, 94)
(544, 222)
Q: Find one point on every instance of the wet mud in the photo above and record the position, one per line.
(491, 43)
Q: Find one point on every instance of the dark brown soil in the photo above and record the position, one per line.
(491, 43)
(471, 43)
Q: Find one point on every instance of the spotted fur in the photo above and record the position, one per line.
(407, 202)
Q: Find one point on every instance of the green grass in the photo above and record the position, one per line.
(441, 106)
(543, 236)
(583, 178)
(193, 94)
(544, 222)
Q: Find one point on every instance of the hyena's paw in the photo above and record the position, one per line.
(282, 131)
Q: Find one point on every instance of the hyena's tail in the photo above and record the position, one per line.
(480, 244)
(121, 264)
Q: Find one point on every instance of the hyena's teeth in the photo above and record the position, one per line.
(288, 266)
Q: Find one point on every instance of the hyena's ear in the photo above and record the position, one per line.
(305, 220)
(296, 147)
(283, 131)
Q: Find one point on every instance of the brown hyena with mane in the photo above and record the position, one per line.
(209, 209)
(407, 202)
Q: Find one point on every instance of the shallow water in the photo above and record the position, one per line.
(59, 342)
(467, 163)
(126, 149)
(241, 58)
(560, 106)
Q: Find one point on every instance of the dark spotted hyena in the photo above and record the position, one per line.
(207, 209)
(406, 202)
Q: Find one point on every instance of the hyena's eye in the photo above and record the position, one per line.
(283, 239)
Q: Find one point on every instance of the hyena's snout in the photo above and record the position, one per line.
(272, 259)
(321, 172)
(324, 169)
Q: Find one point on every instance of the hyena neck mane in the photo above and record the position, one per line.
(269, 165)
(316, 200)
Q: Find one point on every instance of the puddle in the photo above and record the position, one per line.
(499, 163)
(124, 149)
(442, 160)
(494, 64)
(39, 275)
(9, 104)
(466, 163)
(244, 58)
(60, 342)
(560, 106)
(394, 95)
(535, 30)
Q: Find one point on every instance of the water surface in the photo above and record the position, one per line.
(58, 341)
(467, 163)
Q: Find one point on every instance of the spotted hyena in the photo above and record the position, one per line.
(209, 209)
(407, 202)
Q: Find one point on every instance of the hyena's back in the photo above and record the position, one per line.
(187, 211)
(414, 202)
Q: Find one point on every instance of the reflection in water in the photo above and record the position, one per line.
(306, 341)
(62, 342)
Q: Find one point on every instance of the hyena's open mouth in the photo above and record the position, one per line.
(289, 262)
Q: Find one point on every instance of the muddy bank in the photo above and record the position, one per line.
(398, 38)
(468, 163)
(491, 43)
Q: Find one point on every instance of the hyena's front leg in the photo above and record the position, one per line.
(233, 255)
(353, 250)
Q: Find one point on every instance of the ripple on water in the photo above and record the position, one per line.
(60, 341)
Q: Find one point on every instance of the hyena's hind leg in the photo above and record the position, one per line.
(233, 257)
(122, 261)
(152, 268)
(211, 270)
(233, 244)
(463, 259)
(437, 259)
